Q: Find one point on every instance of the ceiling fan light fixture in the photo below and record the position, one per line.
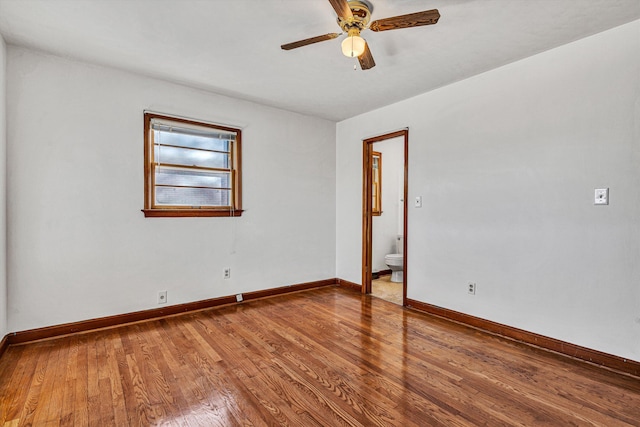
(354, 45)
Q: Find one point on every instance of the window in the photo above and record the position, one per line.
(376, 193)
(190, 168)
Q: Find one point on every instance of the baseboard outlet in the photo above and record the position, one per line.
(574, 351)
(138, 316)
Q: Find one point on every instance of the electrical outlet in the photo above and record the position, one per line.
(471, 288)
(226, 273)
(239, 297)
(162, 297)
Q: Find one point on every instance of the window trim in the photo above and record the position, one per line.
(376, 182)
(151, 211)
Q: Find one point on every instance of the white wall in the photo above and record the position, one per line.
(3, 197)
(79, 246)
(385, 227)
(507, 163)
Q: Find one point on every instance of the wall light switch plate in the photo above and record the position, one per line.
(601, 196)
(418, 202)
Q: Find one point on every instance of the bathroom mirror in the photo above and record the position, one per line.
(376, 193)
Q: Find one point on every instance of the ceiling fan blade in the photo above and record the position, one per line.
(309, 41)
(366, 59)
(342, 8)
(417, 19)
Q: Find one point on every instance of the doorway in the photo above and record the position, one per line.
(371, 202)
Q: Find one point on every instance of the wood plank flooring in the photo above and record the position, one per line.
(325, 357)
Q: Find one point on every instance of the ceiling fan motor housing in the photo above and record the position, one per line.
(361, 10)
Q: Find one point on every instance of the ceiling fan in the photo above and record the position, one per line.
(354, 17)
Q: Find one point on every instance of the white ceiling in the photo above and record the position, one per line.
(232, 47)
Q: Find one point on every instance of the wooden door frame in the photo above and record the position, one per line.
(367, 218)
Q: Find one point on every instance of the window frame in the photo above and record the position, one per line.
(153, 210)
(376, 183)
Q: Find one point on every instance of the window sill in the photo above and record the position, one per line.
(174, 213)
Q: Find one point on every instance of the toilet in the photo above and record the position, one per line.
(396, 261)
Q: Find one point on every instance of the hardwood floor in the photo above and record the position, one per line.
(324, 357)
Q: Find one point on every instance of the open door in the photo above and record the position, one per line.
(368, 208)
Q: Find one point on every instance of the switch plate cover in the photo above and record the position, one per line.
(601, 196)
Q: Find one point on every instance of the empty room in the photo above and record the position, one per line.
(319, 213)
